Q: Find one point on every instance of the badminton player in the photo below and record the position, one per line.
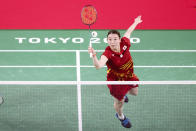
(120, 68)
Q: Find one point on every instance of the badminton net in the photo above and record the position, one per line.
(160, 105)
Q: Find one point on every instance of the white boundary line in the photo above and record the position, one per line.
(79, 91)
(186, 82)
(55, 66)
(87, 66)
(96, 50)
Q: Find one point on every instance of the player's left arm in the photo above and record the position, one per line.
(132, 27)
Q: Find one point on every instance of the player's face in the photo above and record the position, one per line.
(113, 41)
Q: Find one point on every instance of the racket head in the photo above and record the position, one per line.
(88, 15)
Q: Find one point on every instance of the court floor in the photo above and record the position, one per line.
(167, 55)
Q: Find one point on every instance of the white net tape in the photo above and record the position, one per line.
(96, 82)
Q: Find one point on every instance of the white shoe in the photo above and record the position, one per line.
(1, 100)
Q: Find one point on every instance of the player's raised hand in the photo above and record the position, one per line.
(138, 19)
(91, 50)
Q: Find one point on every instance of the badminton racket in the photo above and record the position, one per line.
(89, 16)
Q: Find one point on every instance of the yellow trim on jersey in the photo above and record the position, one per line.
(127, 65)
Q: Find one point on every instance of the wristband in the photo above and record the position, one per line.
(94, 54)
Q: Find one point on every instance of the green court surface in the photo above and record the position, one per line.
(44, 55)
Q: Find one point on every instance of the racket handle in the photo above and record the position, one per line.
(90, 44)
(91, 55)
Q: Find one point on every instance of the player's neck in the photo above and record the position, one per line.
(116, 49)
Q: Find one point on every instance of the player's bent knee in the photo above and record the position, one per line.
(133, 92)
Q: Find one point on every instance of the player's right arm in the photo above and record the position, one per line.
(97, 63)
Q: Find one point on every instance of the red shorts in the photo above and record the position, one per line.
(119, 91)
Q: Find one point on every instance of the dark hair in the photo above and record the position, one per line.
(114, 32)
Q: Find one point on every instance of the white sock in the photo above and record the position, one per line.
(122, 117)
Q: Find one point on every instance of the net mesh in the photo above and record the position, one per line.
(38, 108)
(158, 107)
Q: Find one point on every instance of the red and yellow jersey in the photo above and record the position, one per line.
(120, 64)
(120, 68)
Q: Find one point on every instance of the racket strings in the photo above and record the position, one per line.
(89, 15)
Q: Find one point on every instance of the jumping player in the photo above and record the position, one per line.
(119, 68)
